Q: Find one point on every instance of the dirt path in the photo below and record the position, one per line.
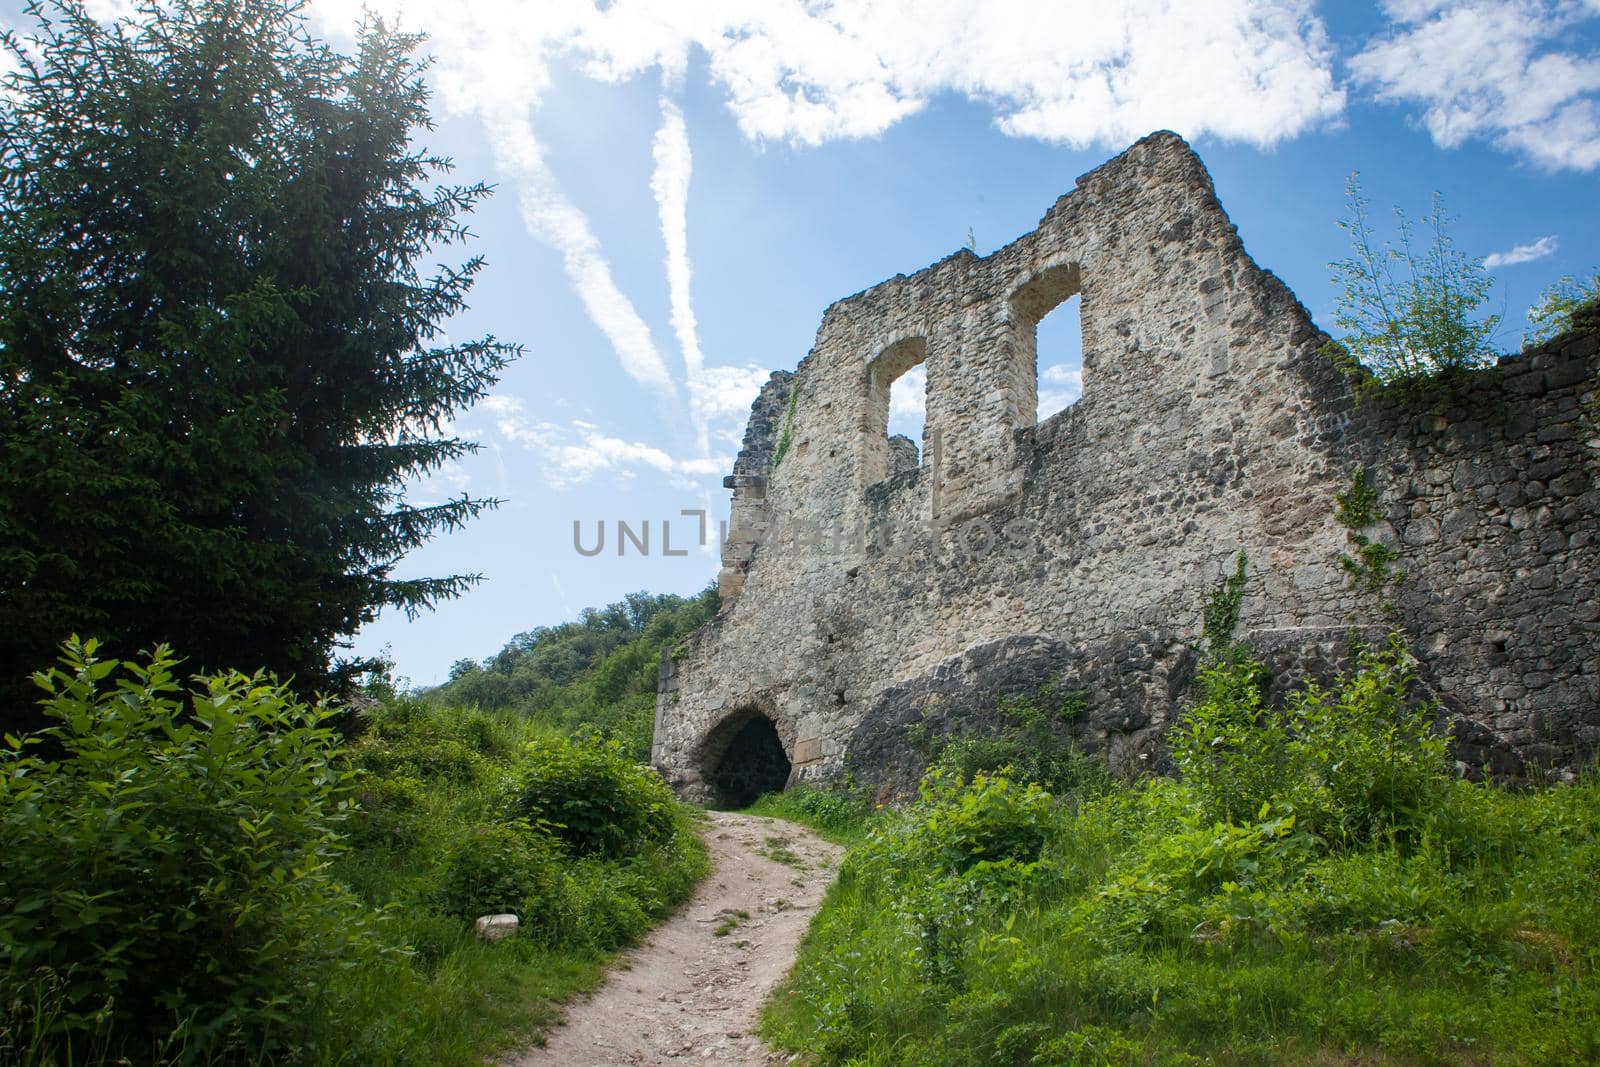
(694, 989)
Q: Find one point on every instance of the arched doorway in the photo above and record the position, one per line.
(752, 763)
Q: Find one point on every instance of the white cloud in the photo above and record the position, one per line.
(908, 396)
(727, 392)
(808, 71)
(550, 216)
(716, 394)
(577, 451)
(1060, 387)
(1527, 253)
(670, 184)
(1493, 69)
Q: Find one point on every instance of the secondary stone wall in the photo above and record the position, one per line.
(861, 600)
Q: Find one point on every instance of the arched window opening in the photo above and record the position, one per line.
(908, 399)
(896, 410)
(1060, 357)
(753, 763)
(1047, 312)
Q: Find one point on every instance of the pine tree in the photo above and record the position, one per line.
(221, 356)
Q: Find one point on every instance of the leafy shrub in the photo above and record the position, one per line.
(1365, 753)
(1553, 314)
(499, 867)
(387, 813)
(837, 812)
(987, 820)
(428, 758)
(166, 864)
(1163, 888)
(593, 796)
(1353, 762)
(1409, 314)
(1231, 750)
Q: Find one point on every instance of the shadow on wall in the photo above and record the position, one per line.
(752, 764)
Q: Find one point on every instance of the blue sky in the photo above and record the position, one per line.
(684, 186)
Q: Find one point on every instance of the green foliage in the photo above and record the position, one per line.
(987, 820)
(166, 874)
(221, 340)
(1353, 763)
(1552, 315)
(1357, 507)
(839, 814)
(1230, 748)
(786, 434)
(593, 796)
(1220, 612)
(1409, 316)
(218, 877)
(1355, 904)
(1366, 759)
(595, 675)
(498, 867)
(1030, 744)
(1370, 568)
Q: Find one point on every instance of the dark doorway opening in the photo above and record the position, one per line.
(753, 763)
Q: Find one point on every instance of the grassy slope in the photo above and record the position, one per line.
(994, 923)
(436, 768)
(595, 676)
(436, 776)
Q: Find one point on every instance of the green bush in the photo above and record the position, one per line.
(987, 820)
(1354, 762)
(1365, 755)
(1410, 315)
(499, 867)
(430, 758)
(838, 813)
(1315, 889)
(1231, 750)
(165, 885)
(1553, 314)
(593, 796)
(388, 812)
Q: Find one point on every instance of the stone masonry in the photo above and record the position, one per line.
(872, 596)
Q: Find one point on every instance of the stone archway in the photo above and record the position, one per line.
(744, 758)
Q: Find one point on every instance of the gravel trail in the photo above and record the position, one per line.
(694, 988)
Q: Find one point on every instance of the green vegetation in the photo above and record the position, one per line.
(1370, 568)
(1552, 315)
(212, 875)
(1219, 614)
(594, 676)
(1318, 887)
(220, 341)
(1409, 316)
(838, 815)
(1028, 742)
(786, 434)
(729, 920)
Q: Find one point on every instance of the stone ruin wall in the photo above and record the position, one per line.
(865, 603)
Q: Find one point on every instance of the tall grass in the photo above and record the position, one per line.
(1357, 904)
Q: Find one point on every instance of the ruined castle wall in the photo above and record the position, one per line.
(861, 602)
(1492, 496)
